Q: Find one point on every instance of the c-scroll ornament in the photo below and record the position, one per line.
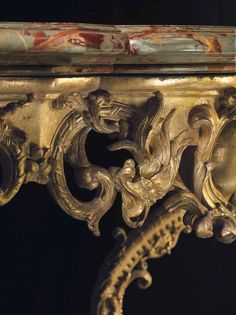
(128, 261)
(214, 179)
(99, 112)
(210, 209)
(157, 157)
(13, 152)
(142, 131)
(69, 144)
(143, 180)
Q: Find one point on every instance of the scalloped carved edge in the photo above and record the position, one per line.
(150, 176)
(128, 261)
(142, 181)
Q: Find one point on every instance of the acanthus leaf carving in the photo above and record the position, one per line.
(72, 129)
(145, 132)
(210, 162)
(151, 176)
(210, 209)
(96, 112)
(128, 260)
(157, 157)
(13, 152)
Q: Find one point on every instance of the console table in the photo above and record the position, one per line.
(155, 91)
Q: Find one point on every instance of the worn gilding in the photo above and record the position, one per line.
(45, 121)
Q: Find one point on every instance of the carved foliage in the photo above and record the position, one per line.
(209, 209)
(13, 152)
(150, 176)
(128, 261)
(157, 157)
(143, 180)
(211, 123)
(94, 112)
(89, 176)
(142, 131)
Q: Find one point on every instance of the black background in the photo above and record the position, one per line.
(214, 12)
(49, 262)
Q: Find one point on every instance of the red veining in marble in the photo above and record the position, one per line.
(66, 39)
(83, 45)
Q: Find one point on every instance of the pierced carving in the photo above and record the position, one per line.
(128, 261)
(13, 153)
(99, 112)
(157, 157)
(210, 209)
(151, 176)
(145, 132)
(214, 182)
(71, 132)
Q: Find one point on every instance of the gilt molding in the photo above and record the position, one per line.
(45, 122)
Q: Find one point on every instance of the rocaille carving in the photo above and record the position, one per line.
(210, 209)
(212, 180)
(157, 157)
(128, 261)
(13, 153)
(151, 175)
(145, 132)
(74, 130)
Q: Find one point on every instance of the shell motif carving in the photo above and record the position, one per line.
(150, 176)
(209, 209)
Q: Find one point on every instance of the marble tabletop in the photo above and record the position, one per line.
(71, 48)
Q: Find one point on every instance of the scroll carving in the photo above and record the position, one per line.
(98, 112)
(152, 173)
(144, 132)
(128, 261)
(209, 209)
(13, 153)
(89, 176)
(150, 176)
(214, 184)
(157, 157)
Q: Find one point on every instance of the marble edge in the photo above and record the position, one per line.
(117, 27)
(88, 45)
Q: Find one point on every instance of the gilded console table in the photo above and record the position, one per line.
(155, 90)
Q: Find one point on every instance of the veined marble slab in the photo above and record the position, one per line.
(70, 48)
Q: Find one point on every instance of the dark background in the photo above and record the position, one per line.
(214, 12)
(49, 262)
